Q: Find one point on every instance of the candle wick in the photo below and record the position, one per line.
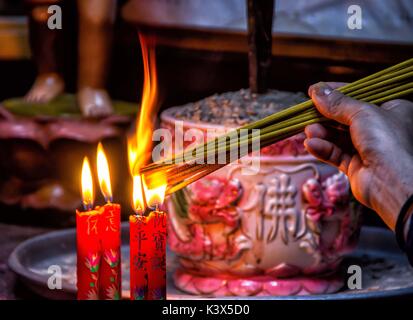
(87, 205)
(138, 212)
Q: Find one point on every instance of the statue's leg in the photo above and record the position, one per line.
(96, 20)
(49, 82)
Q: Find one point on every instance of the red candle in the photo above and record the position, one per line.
(88, 255)
(139, 255)
(110, 236)
(147, 246)
(88, 241)
(110, 270)
(98, 238)
(157, 259)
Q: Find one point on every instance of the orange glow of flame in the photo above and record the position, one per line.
(132, 154)
(103, 173)
(138, 200)
(137, 196)
(156, 195)
(87, 185)
(140, 145)
(147, 114)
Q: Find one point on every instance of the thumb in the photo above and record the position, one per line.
(335, 105)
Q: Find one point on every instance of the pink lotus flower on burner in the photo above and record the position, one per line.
(337, 188)
(215, 199)
(196, 248)
(319, 206)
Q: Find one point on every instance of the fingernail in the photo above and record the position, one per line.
(322, 89)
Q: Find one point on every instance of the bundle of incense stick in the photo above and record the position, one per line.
(388, 84)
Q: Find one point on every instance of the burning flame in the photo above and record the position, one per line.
(87, 185)
(147, 114)
(156, 195)
(103, 173)
(137, 195)
(140, 145)
(132, 153)
(138, 200)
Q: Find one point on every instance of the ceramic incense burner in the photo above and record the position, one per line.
(281, 231)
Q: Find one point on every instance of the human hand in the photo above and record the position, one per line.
(376, 153)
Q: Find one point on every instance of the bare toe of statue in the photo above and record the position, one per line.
(94, 102)
(46, 88)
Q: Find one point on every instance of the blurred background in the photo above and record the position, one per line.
(202, 46)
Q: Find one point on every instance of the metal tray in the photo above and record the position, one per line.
(386, 272)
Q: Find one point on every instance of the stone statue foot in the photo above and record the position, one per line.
(45, 88)
(94, 103)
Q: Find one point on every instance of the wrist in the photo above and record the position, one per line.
(388, 204)
(392, 188)
(403, 223)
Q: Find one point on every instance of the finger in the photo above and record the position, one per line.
(328, 152)
(401, 111)
(337, 106)
(403, 108)
(391, 104)
(332, 85)
(301, 136)
(336, 85)
(316, 130)
(338, 137)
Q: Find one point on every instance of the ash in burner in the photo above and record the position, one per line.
(238, 108)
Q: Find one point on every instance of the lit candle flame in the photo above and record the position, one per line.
(132, 153)
(156, 195)
(147, 116)
(140, 145)
(103, 173)
(87, 185)
(138, 199)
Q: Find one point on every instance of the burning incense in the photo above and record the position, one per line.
(385, 85)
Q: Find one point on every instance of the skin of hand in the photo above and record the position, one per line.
(376, 152)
